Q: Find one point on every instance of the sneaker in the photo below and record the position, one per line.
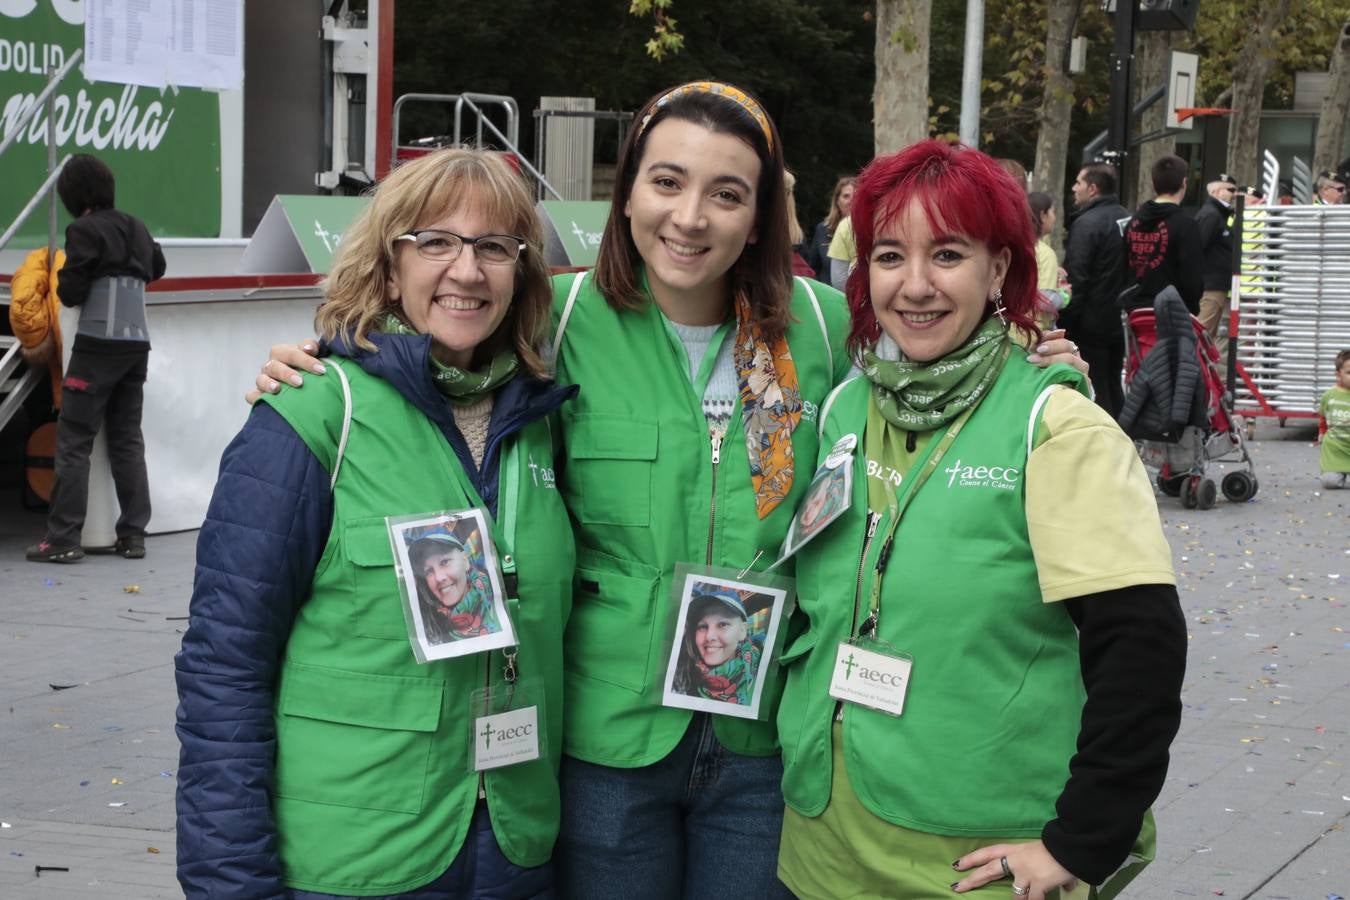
(130, 547)
(49, 552)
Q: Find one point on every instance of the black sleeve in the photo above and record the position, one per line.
(1078, 262)
(1191, 254)
(1132, 646)
(84, 247)
(1207, 224)
(159, 266)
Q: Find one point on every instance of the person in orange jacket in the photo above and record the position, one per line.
(35, 315)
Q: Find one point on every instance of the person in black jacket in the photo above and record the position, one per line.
(1095, 261)
(110, 257)
(817, 252)
(1162, 243)
(1215, 220)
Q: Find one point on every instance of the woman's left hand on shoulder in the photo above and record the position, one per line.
(1056, 348)
(1031, 865)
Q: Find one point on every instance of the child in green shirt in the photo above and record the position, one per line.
(1333, 431)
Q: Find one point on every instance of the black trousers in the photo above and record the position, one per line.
(101, 390)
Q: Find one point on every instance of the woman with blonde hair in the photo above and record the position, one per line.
(321, 756)
(818, 251)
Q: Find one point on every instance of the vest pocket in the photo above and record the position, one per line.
(355, 739)
(609, 636)
(377, 605)
(609, 469)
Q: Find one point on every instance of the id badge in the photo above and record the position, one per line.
(725, 637)
(871, 674)
(451, 584)
(827, 498)
(508, 725)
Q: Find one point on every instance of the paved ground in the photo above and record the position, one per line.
(1256, 805)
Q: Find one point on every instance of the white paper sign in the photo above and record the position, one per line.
(156, 43)
(506, 738)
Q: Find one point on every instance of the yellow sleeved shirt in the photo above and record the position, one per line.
(1091, 514)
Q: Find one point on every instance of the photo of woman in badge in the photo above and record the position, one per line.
(719, 650)
(825, 498)
(454, 593)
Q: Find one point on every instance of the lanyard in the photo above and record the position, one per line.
(908, 490)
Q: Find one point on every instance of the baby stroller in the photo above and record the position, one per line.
(1176, 408)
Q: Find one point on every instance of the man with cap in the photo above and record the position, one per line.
(719, 660)
(456, 597)
(1330, 189)
(1215, 220)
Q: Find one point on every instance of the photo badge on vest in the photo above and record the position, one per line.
(509, 725)
(827, 497)
(450, 579)
(725, 636)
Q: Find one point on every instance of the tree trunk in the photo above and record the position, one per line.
(1249, 85)
(900, 97)
(1151, 54)
(1056, 110)
(1335, 106)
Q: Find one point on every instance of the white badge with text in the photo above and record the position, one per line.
(506, 738)
(870, 679)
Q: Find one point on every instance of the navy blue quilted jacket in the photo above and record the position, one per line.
(265, 529)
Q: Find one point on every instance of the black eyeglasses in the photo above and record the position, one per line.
(446, 246)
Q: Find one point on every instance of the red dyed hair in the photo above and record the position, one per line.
(961, 191)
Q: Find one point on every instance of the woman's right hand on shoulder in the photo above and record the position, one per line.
(284, 364)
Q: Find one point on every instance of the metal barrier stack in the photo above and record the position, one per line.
(1294, 307)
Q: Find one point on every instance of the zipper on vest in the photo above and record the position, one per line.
(716, 433)
(873, 520)
(487, 686)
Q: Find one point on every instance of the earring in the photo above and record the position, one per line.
(999, 309)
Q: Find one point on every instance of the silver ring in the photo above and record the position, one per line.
(1007, 870)
(1073, 346)
(1021, 891)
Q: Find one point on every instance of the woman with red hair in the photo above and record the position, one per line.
(1018, 573)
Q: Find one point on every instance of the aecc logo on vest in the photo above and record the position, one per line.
(1003, 478)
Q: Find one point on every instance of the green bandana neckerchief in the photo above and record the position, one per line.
(460, 387)
(919, 396)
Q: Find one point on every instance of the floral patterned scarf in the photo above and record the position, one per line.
(734, 680)
(771, 407)
(473, 615)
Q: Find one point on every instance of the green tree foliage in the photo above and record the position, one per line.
(809, 61)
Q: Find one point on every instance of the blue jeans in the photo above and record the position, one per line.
(703, 822)
(480, 872)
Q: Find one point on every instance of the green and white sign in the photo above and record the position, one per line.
(163, 145)
(572, 230)
(299, 234)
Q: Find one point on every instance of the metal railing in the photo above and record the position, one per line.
(44, 100)
(14, 390)
(460, 102)
(1293, 307)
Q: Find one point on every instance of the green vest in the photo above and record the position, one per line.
(991, 716)
(645, 495)
(373, 787)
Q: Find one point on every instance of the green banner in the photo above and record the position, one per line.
(577, 226)
(163, 146)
